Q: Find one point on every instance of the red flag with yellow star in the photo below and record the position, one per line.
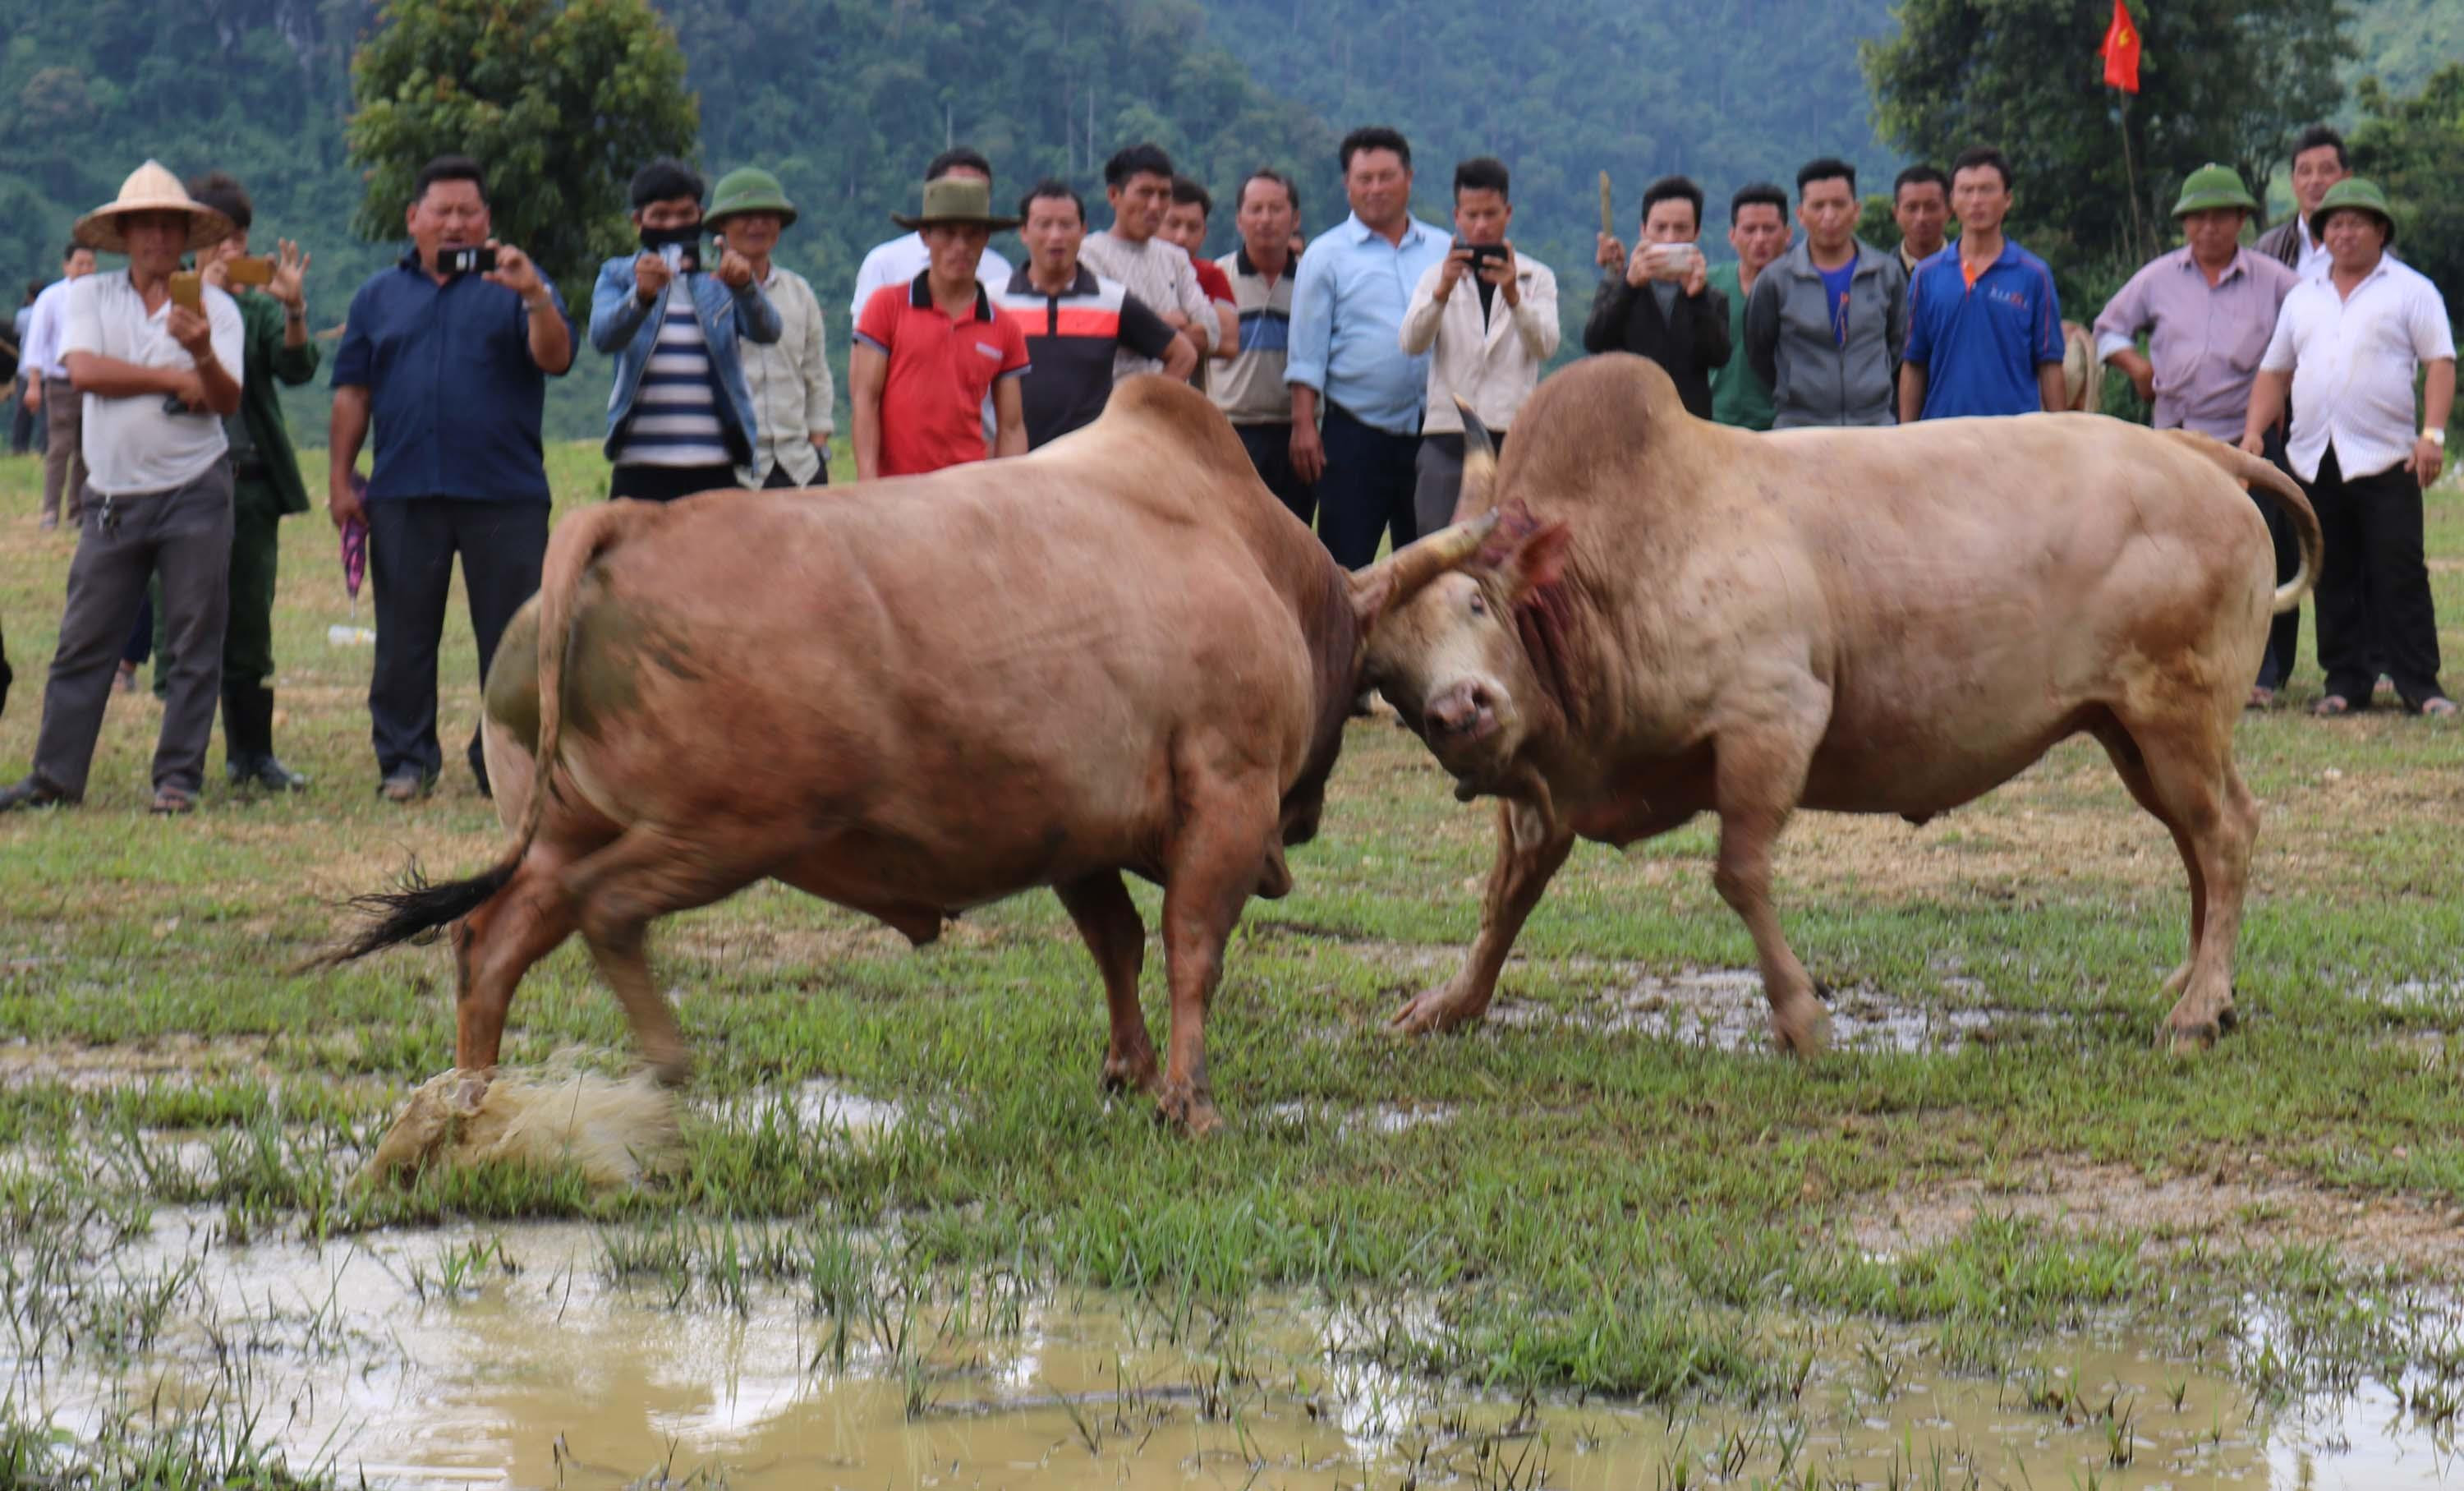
(2122, 50)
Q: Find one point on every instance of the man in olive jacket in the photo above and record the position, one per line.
(1825, 325)
(265, 483)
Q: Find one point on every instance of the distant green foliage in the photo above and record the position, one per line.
(561, 99)
(2225, 80)
(2413, 147)
(2403, 41)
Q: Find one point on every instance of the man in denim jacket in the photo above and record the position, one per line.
(680, 418)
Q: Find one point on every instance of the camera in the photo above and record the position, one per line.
(477, 260)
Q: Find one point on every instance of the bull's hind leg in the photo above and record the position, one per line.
(618, 892)
(1109, 922)
(2189, 784)
(1759, 778)
(2132, 768)
(494, 947)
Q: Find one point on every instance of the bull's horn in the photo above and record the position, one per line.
(1398, 576)
(1479, 467)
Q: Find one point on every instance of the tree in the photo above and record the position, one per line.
(2228, 80)
(560, 101)
(2410, 146)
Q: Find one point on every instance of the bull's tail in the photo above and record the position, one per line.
(419, 908)
(2289, 498)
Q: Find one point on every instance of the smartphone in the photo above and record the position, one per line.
(683, 258)
(679, 247)
(1483, 254)
(188, 289)
(248, 270)
(1671, 260)
(479, 260)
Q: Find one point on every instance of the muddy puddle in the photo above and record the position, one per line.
(1725, 1008)
(531, 1357)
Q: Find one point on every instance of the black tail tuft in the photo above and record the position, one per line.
(416, 910)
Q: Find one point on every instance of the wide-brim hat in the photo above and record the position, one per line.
(152, 188)
(956, 199)
(749, 189)
(2353, 191)
(2213, 186)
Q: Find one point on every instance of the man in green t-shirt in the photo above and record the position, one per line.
(1758, 231)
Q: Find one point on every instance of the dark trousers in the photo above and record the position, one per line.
(248, 634)
(1367, 489)
(2284, 633)
(26, 428)
(184, 535)
(412, 544)
(1270, 450)
(666, 483)
(779, 481)
(2374, 590)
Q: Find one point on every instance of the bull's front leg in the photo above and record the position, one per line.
(1109, 922)
(1532, 844)
(1214, 862)
(1760, 776)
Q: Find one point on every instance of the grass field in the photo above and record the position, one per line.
(1613, 1191)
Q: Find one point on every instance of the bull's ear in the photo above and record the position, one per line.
(1538, 559)
(1479, 490)
(1398, 576)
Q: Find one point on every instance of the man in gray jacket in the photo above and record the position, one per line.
(1825, 325)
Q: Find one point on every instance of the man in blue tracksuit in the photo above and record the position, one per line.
(680, 418)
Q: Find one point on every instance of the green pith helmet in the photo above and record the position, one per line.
(2354, 193)
(956, 199)
(749, 189)
(2213, 186)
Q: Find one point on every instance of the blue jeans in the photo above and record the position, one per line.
(1367, 489)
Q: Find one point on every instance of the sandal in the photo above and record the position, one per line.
(2332, 706)
(2437, 707)
(2262, 697)
(171, 800)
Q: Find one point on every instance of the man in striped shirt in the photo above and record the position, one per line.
(1074, 319)
(681, 418)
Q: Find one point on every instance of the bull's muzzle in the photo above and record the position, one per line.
(1464, 714)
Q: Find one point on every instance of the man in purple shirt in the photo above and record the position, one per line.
(2207, 309)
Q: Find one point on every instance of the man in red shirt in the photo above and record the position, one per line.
(926, 352)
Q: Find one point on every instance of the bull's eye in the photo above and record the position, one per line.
(1478, 606)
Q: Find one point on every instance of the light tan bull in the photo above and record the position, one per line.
(916, 696)
(1675, 619)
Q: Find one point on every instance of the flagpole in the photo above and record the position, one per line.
(2130, 169)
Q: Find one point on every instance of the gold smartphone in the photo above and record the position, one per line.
(188, 289)
(248, 270)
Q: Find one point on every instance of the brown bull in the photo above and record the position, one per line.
(1673, 618)
(1119, 653)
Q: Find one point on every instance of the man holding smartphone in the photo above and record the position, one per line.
(681, 418)
(452, 364)
(1488, 318)
(1658, 301)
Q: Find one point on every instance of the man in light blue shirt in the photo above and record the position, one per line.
(1355, 280)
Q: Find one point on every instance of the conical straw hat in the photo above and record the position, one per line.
(150, 189)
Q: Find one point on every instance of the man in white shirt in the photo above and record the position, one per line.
(1491, 318)
(2347, 348)
(1137, 182)
(900, 260)
(47, 393)
(157, 379)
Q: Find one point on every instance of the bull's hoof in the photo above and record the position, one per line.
(1191, 1112)
(1802, 1028)
(470, 1091)
(2190, 1037)
(1435, 1013)
(672, 1070)
(1131, 1073)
